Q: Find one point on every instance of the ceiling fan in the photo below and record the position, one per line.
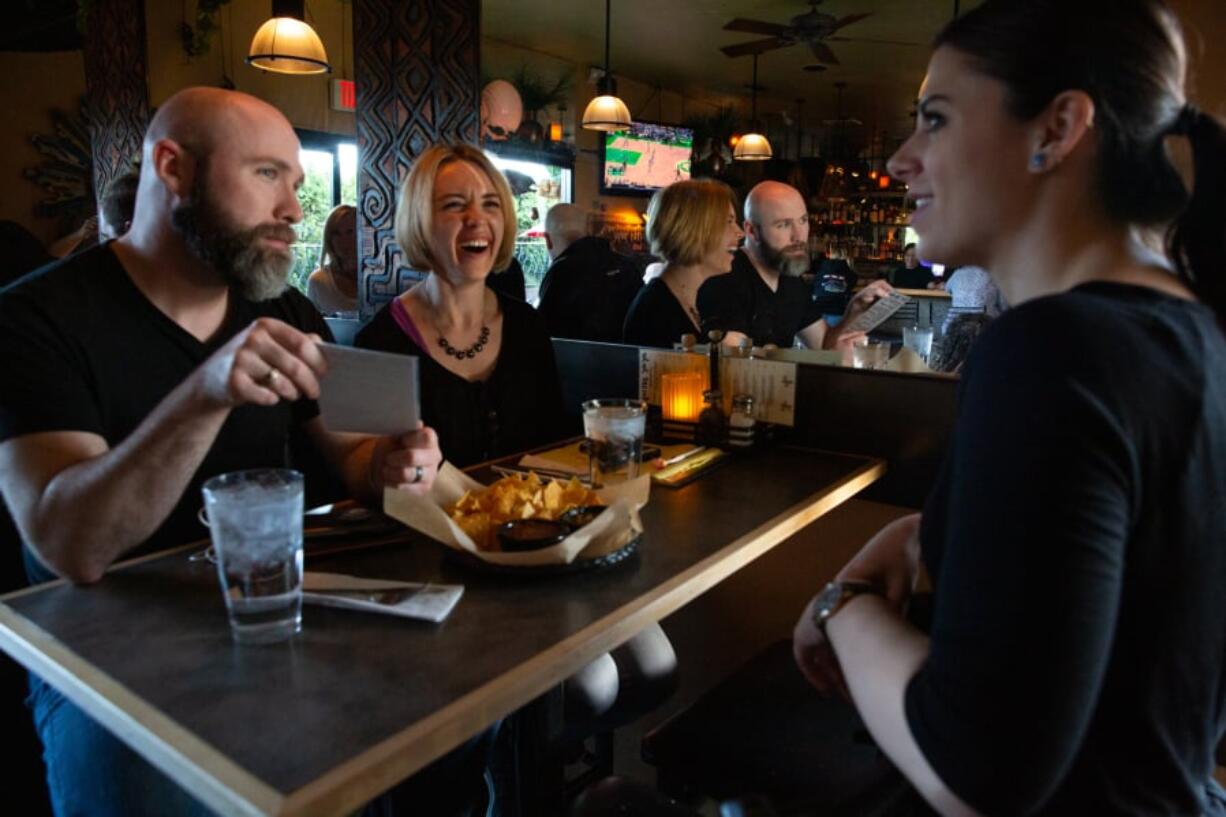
(813, 28)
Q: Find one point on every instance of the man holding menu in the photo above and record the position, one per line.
(763, 297)
(135, 370)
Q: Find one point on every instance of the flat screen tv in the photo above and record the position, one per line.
(648, 156)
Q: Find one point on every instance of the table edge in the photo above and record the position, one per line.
(210, 775)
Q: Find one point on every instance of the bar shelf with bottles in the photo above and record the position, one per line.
(869, 227)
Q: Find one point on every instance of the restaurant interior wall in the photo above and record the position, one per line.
(303, 99)
(37, 83)
(503, 60)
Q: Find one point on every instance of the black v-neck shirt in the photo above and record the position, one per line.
(84, 350)
(740, 301)
(519, 406)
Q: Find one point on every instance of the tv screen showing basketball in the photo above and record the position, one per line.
(645, 158)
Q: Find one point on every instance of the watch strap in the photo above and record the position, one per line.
(836, 594)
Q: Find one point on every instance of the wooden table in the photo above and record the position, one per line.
(358, 702)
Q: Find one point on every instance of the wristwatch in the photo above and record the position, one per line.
(835, 595)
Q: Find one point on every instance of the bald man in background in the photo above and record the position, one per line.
(763, 297)
(589, 287)
(139, 368)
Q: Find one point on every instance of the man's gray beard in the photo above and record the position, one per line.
(256, 272)
(782, 263)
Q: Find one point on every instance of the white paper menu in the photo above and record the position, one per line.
(368, 392)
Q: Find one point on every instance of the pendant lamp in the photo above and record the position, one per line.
(606, 112)
(286, 44)
(753, 147)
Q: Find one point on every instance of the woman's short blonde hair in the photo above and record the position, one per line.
(686, 220)
(415, 205)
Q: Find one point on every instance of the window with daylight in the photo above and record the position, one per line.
(330, 164)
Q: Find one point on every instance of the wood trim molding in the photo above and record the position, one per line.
(189, 761)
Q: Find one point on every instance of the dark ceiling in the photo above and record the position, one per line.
(40, 25)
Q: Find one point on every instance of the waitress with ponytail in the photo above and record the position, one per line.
(1076, 537)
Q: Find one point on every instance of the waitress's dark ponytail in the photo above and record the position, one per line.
(1197, 238)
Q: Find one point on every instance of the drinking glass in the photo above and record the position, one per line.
(870, 354)
(255, 520)
(614, 428)
(918, 339)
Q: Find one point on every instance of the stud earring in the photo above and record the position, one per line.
(1037, 161)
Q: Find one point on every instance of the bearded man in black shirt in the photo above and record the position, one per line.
(137, 369)
(763, 297)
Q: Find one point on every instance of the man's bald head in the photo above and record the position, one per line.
(564, 225)
(201, 119)
(767, 198)
(777, 228)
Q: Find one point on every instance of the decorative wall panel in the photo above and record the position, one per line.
(417, 70)
(117, 94)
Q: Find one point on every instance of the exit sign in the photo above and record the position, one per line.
(344, 95)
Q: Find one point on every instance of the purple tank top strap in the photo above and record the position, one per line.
(405, 322)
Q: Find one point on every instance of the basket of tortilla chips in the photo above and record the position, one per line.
(464, 514)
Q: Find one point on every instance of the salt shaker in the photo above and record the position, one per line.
(741, 423)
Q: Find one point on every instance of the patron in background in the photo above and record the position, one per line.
(912, 274)
(137, 369)
(488, 379)
(510, 281)
(971, 291)
(118, 205)
(1076, 662)
(834, 282)
(692, 225)
(588, 289)
(333, 287)
(764, 299)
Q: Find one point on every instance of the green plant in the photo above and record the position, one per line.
(196, 38)
(537, 92)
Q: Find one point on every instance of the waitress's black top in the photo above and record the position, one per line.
(519, 406)
(1076, 540)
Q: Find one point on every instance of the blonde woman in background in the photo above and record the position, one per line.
(693, 226)
(334, 286)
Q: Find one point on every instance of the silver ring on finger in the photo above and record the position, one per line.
(270, 380)
(419, 473)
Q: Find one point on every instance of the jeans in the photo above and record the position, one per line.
(91, 772)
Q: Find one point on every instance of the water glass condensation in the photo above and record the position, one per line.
(870, 354)
(614, 429)
(255, 519)
(918, 339)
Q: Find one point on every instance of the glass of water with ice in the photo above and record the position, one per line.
(255, 519)
(614, 428)
(918, 339)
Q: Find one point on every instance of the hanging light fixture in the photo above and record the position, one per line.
(286, 44)
(753, 146)
(606, 112)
